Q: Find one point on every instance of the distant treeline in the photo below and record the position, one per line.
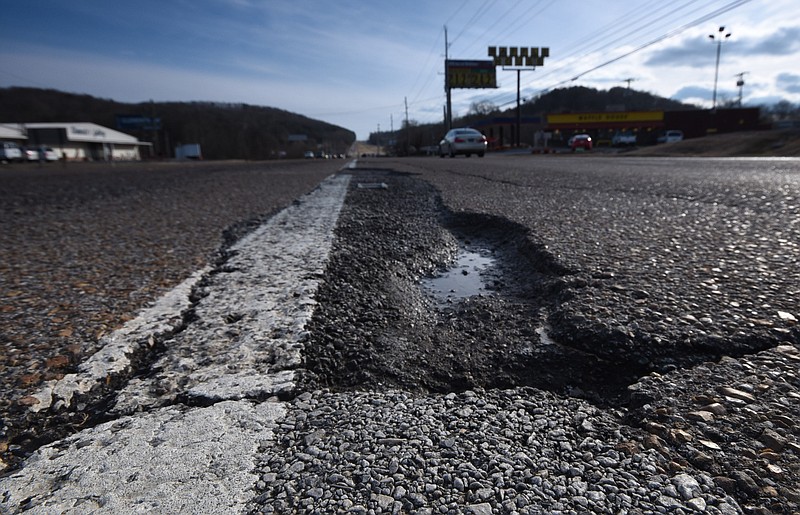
(575, 99)
(562, 100)
(224, 130)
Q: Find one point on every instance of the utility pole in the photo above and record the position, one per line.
(519, 112)
(408, 130)
(740, 84)
(448, 122)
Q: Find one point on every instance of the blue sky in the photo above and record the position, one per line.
(356, 63)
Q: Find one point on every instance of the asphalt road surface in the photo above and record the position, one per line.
(613, 334)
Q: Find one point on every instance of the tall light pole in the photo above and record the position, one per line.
(718, 39)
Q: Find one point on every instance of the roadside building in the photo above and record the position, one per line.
(501, 131)
(81, 141)
(13, 133)
(647, 126)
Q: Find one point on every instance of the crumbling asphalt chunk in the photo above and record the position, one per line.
(375, 325)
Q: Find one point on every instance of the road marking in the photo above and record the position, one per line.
(242, 345)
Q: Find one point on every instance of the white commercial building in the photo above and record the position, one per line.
(13, 132)
(82, 141)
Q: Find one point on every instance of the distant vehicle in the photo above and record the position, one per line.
(622, 139)
(308, 154)
(48, 153)
(10, 152)
(463, 141)
(189, 151)
(39, 154)
(30, 154)
(671, 136)
(580, 142)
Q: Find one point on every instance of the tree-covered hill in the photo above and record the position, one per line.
(225, 130)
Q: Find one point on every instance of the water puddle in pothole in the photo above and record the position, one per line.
(464, 279)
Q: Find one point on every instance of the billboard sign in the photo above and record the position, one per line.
(518, 56)
(133, 122)
(615, 117)
(471, 74)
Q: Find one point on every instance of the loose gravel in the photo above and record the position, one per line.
(481, 452)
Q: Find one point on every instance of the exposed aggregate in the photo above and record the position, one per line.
(498, 451)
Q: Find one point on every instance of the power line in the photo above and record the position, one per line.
(569, 60)
(590, 40)
(645, 14)
(674, 32)
(671, 33)
(473, 19)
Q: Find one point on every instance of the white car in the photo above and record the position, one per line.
(9, 152)
(39, 154)
(30, 154)
(671, 136)
(463, 141)
(623, 138)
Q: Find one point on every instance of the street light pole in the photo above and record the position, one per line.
(719, 39)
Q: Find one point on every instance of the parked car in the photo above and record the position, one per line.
(48, 153)
(9, 152)
(308, 154)
(39, 154)
(621, 139)
(671, 136)
(30, 154)
(580, 142)
(463, 141)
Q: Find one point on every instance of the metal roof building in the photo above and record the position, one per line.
(81, 141)
(14, 132)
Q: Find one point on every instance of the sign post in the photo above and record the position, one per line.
(518, 59)
(467, 74)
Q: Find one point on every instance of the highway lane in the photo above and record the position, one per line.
(710, 239)
(665, 261)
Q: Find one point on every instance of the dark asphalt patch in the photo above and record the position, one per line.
(377, 326)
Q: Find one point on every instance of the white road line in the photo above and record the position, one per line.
(244, 343)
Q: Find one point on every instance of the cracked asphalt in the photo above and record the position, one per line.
(642, 274)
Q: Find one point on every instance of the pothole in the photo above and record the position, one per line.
(466, 276)
(480, 318)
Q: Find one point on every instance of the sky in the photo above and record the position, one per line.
(367, 65)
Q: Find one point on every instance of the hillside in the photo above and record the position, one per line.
(783, 143)
(573, 99)
(583, 99)
(225, 130)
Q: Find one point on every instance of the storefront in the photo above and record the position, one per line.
(647, 126)
(85, 141)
